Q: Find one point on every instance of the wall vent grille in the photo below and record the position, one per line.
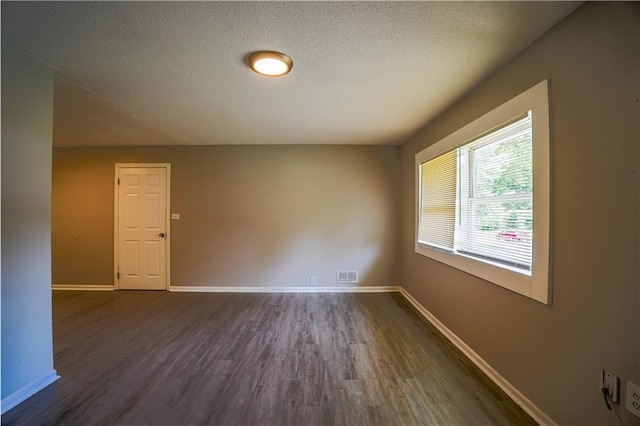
(347, 277)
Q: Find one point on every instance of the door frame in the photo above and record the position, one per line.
(116, 217)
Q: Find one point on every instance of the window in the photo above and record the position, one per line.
(483, 196)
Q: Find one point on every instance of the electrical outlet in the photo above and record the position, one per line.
(313, 280)
(633, 399)
(611, 383)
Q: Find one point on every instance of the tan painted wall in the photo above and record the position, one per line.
(250, 215)
(554, 354)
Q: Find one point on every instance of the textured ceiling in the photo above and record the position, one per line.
(153, 73)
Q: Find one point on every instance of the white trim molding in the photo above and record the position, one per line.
(336, 289)
(536, 283)
(83, 287)
(28, 390)
(525, 403)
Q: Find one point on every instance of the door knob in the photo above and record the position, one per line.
(161, 235)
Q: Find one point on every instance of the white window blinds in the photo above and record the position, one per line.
(438, 201)
(477, 199)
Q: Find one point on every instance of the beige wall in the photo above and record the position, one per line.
(554, 354)
(250, 215)
(27, 120)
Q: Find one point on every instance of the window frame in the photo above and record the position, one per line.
(537, 284)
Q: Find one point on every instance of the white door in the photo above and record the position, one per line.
(142, 228)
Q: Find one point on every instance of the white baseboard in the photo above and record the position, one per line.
(85, 287)
(336, 289)
(529, 407)
(26, 391)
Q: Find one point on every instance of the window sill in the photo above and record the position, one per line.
(518, 281)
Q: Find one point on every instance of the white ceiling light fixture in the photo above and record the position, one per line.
(270, 63)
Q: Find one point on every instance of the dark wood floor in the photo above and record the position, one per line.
(158, 358)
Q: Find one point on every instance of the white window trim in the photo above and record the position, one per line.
(537, 285)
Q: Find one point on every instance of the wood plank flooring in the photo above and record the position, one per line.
(159, 358)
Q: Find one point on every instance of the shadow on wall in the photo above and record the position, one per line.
(250, 215)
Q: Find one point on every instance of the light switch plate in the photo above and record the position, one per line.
(175, 216)
(610, 382)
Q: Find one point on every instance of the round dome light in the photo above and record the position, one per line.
(270, 63)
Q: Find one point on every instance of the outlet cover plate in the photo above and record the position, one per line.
(633, 399)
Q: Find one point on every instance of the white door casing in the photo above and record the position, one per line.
(141, 228)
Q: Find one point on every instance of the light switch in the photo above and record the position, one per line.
(175, 216)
